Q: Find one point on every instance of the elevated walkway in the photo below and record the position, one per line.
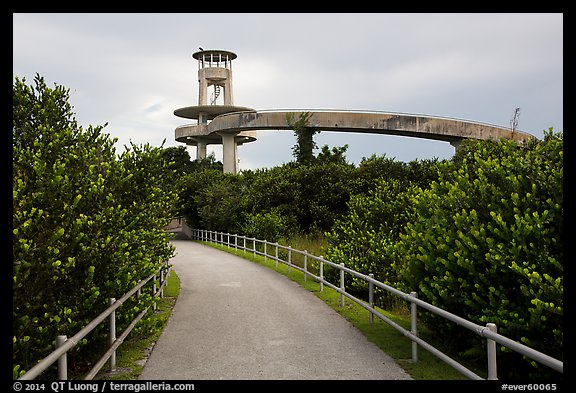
(411, 125)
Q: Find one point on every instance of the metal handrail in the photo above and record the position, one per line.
(71, 342)
(488, 331)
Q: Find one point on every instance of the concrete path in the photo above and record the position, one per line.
(235, 319)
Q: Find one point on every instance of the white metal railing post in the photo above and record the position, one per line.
(161, 282)
(491, 349)
(235, 242)
(254, 246)
(413, 326)
(371, 297)
(62, 360)
(112, 334)
(276, 244)
(342, 285)
(321, 274)
(154, 291)
(305, 261)
(289, 259)
(265, 252)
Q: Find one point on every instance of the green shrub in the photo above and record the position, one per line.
(364, 239)
(269, 226)
(220, 203)
(87, 225)
(486, 244)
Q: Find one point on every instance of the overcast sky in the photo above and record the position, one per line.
(133, 70)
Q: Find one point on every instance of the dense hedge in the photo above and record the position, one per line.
(308, 198)
(87, 224)
(365, 238)
(305, 198)
(484, 241)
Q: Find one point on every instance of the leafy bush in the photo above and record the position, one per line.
(486, 244)
(364, 239)
(87, 225)
(220, 203)
(193, 184)
(308, 198)
(269, 226)
(374, 168)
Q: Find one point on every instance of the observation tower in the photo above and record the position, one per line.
(232, 125)
(215, 74)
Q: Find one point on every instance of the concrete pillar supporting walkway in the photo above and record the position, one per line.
(230, 151)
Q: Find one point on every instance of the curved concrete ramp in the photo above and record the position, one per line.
(238, 320)
(419, 126)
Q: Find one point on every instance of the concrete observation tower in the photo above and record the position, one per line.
(214, 70)
(234, 125)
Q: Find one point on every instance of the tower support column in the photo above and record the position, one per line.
(200, 150)
(230, 155)
(456, 143)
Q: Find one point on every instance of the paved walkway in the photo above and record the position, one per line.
(235, 319)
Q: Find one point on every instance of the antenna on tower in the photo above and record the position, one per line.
(514, 120)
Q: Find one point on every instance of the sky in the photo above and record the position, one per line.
(133, 70)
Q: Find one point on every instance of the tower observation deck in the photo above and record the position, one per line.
(214, 71)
